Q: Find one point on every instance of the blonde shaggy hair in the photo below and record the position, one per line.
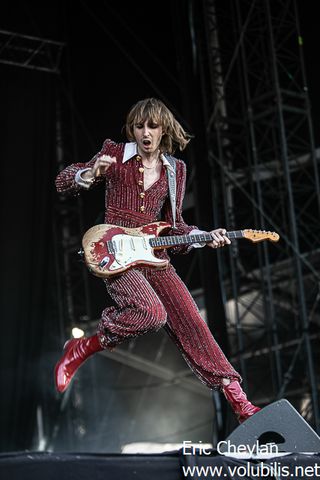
(174, 135)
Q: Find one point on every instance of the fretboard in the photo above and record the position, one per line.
(171, 241)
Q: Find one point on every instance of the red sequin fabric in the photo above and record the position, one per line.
(148, 299)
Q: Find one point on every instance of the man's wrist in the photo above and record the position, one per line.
(83, 181)
(87, 175)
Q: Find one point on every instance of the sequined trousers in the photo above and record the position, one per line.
(148, 299)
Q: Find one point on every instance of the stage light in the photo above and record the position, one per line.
(77, 332)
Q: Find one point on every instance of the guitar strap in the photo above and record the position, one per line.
(171, 174)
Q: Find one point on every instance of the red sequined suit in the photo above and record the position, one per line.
(148, 299)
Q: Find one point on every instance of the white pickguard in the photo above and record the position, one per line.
(131, 248)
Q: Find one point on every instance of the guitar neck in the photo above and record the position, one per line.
(171, 241)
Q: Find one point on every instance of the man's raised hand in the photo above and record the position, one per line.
(102, 164)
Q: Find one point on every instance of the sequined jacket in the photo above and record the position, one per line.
(127, 203)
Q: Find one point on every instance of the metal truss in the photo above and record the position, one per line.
(265, 175)
(69, 228)
(45, 55)
(30, 52)
(71, 279)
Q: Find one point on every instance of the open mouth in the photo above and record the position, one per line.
(146, 142)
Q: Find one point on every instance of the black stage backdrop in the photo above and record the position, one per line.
(27, 149)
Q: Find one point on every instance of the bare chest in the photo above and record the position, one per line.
(151, 176)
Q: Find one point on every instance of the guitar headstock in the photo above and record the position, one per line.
(260, 235)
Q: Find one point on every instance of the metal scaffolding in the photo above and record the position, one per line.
(69, 228)
(70, 280)
(30, 52)
(40, 54)
(264, 175)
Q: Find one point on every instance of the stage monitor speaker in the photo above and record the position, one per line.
(277, 423)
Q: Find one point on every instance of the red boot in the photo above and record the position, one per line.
(76, 351)
(238, 401)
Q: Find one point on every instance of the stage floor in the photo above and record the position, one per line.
(168, 466)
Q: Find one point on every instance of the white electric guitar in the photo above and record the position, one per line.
(110, 249)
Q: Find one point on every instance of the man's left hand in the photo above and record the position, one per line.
(219, 238)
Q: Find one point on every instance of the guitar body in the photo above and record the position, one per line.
(110, 250)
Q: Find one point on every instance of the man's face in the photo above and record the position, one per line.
(148, 136)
